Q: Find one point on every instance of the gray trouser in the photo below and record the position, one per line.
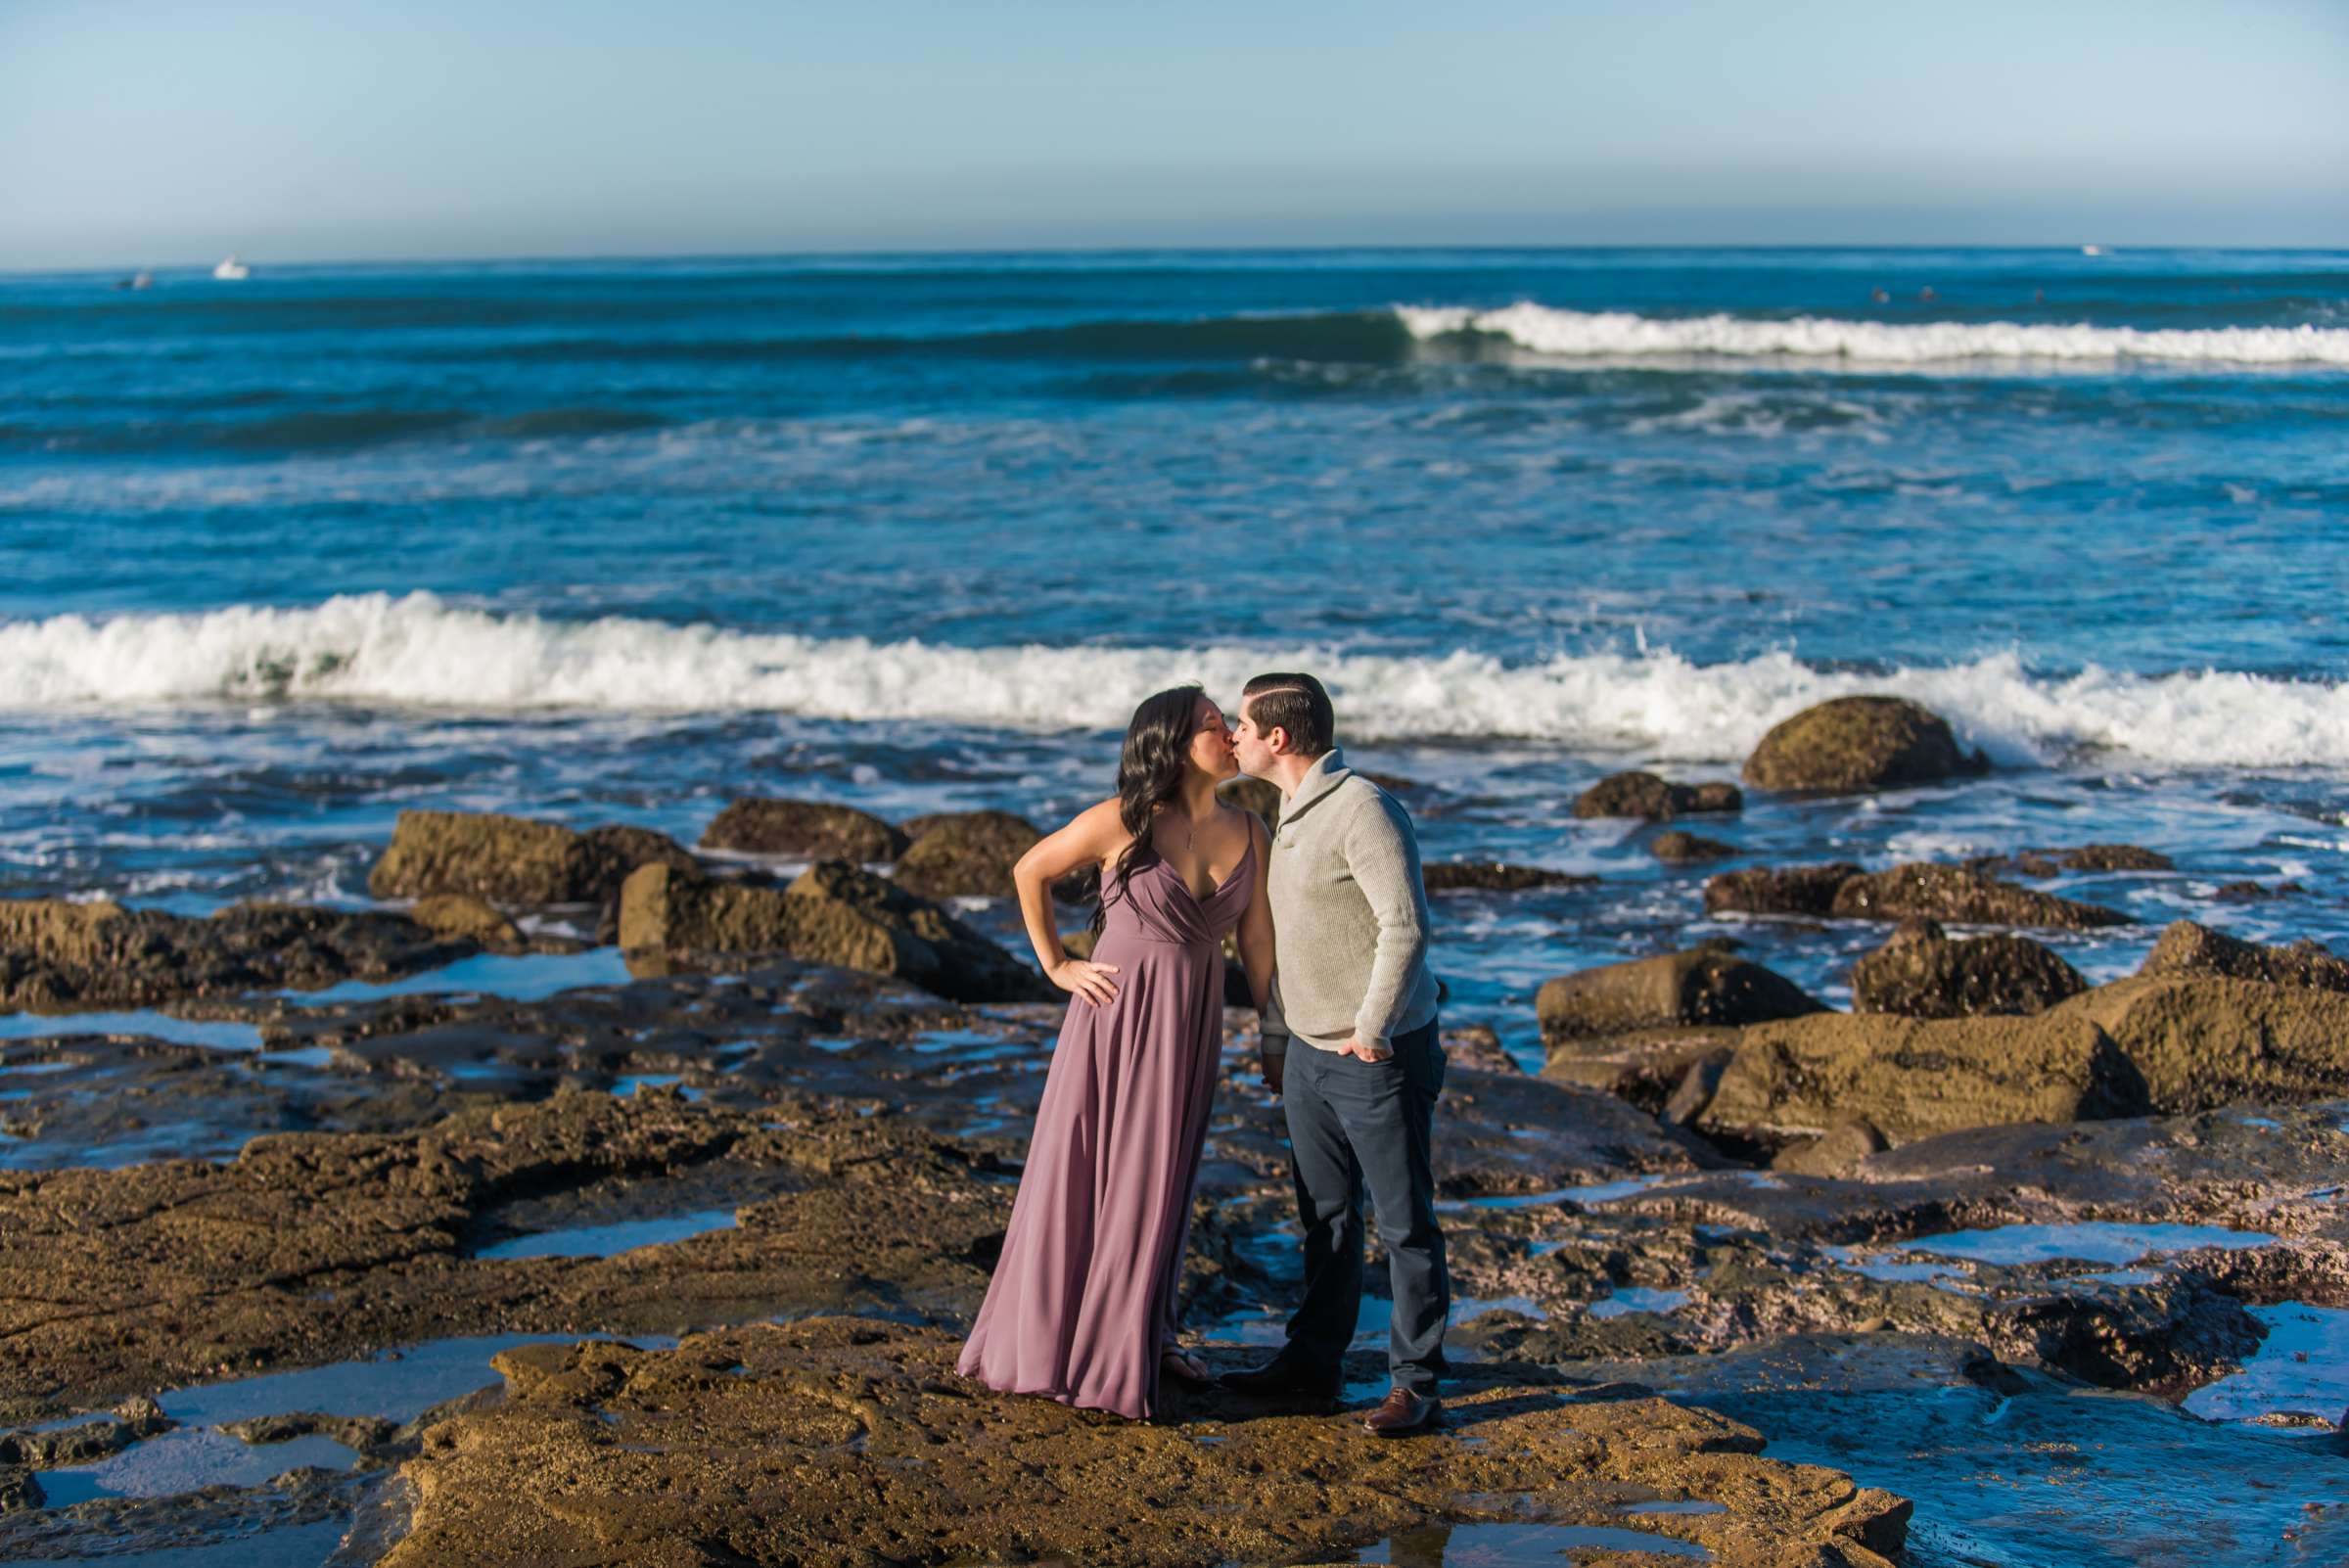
(1354, 1124)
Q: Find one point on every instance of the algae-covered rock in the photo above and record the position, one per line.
(1493, 876)
(1859, 743)
(849, 1443)
(1648, 796)
(1920, 973)
(1259, 795)
(2112, 857)
(1651, 1068)
(1962, 895)
(1682, 848)
(1703, 985)
(514, 860)
(2186, 949)
(1912, 1077)
(964, 853)
(458, 915)
(56, 955)
(811, 830)
(833, 914)
(2203, 1041)
(1789, 890)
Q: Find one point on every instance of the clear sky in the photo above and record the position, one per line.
(137, 132)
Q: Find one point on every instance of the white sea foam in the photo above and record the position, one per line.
(1608, 334)
(417, 651)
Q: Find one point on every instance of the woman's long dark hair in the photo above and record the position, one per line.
(1150, 773)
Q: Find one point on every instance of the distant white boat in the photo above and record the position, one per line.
(2091, 249)
(232, 270)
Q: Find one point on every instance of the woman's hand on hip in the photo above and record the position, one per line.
(1081, 977)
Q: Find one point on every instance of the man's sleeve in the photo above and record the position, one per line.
(1383, 856)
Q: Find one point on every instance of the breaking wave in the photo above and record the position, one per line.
(418, 651)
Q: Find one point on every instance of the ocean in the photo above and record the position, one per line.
(620, 542)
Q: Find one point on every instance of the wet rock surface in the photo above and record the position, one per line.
(1491, 876)
(2188, 949)
(2199, 1042)
(56, 956)
(964, 853)
(809, 830)
(1683, 847)
(1648, 796)
(512, 860)
(1859, 743)
(856, 1445)
(1922, 973)
(1703, 985)
(801, 1173)
(1956, 894)
(1912, 1077)
(833, 914)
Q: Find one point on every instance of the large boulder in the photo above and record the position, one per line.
(1683, 847)
(802, 830)
(2186, 949)
(1786, 890)
(1962, 896)
(1859, 743)
(834, 913)
(1651, 1068)
(1921, 973)
(1646, 795)
(1493, 876)
(1703, 985)
(459, 914)
(1259, 795)
(2202, 1042)
(1913, 1077)
(56, 955)
(964, 855)
(514, 860)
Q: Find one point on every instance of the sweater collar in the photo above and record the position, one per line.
(1328, 771)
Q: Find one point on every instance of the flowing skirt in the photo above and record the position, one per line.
(1081, 1305)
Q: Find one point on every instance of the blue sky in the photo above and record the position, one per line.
(137, 132)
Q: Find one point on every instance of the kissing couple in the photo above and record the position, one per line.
(1332, 930)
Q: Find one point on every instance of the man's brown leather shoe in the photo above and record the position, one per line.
(1402, 1413)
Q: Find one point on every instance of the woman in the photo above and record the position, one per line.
(1081, 1307)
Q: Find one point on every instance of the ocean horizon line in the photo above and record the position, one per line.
(2111, 249)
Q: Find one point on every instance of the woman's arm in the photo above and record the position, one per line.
(1094, 835)
(1257, 957)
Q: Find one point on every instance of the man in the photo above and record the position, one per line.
(1359, 1087)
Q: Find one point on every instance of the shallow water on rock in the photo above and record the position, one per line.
(610, 1241)
(1587, 1192)
(529, 977)
(2300, 1373)
(304, 1546)
(188, 1459)
(1515, 1546)
(2058, 1476)
(2092, 1242)
(1628, 1299)
(397, 1385)
(219, 1034)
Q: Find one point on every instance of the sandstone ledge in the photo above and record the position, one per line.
(846, 1443)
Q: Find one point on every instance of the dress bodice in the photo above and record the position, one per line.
(1157, 906)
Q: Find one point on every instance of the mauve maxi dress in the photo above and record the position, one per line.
(1082, 1302)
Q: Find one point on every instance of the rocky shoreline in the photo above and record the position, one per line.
(613, 1201)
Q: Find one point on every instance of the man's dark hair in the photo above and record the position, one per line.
(1296, 704)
